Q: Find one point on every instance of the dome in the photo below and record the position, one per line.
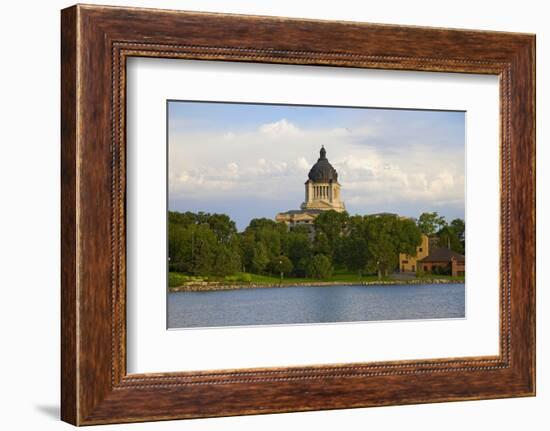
(322, 171)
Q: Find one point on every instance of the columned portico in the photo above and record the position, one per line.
(322, 187)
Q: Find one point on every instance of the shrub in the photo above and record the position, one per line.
(177, 267)
(442, 270)
(247, 278)
(241, 277)
(176, 280)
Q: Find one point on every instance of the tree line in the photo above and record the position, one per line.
(450, 235)
(209, 244)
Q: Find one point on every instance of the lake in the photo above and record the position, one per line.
(310, 304)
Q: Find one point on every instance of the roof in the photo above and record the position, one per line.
(442, 254)
(295, 212)
(322, 171)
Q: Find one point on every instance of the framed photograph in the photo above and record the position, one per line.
(263, 214)
(340, 254)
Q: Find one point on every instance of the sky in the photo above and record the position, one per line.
(252, 160)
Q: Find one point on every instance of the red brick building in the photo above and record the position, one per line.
(443, 259)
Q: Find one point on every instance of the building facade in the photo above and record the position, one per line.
(322, 193)
(408, 263)
(442, 260)
(431, 258)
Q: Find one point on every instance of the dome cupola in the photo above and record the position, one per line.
(322, 171)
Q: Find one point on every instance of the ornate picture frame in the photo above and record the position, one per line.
(96, 41)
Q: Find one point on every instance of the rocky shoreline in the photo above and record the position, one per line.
(205, 286)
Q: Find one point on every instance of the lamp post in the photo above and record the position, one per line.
(281, 270)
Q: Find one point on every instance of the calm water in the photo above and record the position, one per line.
(270, 306)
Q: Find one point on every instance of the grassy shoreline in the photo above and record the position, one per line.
(183, 283)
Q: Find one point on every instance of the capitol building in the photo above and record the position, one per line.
(322, 193)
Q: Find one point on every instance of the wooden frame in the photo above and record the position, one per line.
(96, 41)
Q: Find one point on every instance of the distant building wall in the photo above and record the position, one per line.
(408, 263)
(294, 218)
(457, 267)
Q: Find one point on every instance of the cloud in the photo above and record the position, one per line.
(380, 167)
(279, 128)
(302, 164)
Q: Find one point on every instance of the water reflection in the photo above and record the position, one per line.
(314, 305)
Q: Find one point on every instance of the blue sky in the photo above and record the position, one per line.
(249, 160)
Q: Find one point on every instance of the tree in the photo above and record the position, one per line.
(330, 226)
(246, 248)
(269, 233)
(449, 238)
(270, 237)
(354, 254)
(431, 223)
(222, 226)
(459, 228)
(319, 266)
(202, 243)
(409, 236)
(179, 248)
(298, 248)
(387, 236)
(353, 249)
(258, 223)
(260, 258)
(382, 249)
(203, 249)
(321, 244)
(226, 261)
(280, 265)
(182, 219)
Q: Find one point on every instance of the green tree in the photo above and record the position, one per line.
(246, 248)
(226, 261)
(202, 243)
(280, 265)
(448, 238)
(270, 237)
(222, 226)
(269, 233)
(260, 258)
(459, 228)
(179, 248)
(182, 219)
(203, 249)
(301, 229)
(387, 236)
(298, 247)
(431, 223)
(355, 253)
(319, 267)
(330, 225)
(353, 250)
(321, 244)
(381, 243)
(409, 236)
